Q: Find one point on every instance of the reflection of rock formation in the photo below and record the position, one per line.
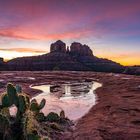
(55, 88)
(81, 88)
(74, 89)
(67, 89)
(77, 57)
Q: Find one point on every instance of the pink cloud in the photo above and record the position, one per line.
(54, 19)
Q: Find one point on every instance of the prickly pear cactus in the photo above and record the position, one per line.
(30, 126)
(22, 103)
(4, 122)
(34, 106)
(40, 117)
(5, 111)
(27, 100)
(12, 94)
(5, 100)
(18, 89)
(5, 128)
(28, 121)
(62, 114)
(42, 104)
(52, 117)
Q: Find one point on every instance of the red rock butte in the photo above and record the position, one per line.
(75, 48)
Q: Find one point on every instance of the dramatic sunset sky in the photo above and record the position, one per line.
(110, 27)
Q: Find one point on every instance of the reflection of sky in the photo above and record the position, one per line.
(111, 28)
(75, 106)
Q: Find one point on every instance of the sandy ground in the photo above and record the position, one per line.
(116, 116)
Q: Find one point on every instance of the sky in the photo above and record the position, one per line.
(110, 27)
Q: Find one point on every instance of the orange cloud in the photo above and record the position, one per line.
(124, 59)
(23, 50)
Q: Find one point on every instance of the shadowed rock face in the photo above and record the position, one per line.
(1, 63)
(58, 46)
(80, 50)
(77, 57)
(50, 61)
(1, 60)
(75, 49)
(132, 70)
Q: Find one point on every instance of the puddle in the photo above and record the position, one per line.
(8, 74)
(75, 99)
(117, 75)
(30, 78)
(125, 78)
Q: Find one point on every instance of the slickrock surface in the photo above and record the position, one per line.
(116, 116)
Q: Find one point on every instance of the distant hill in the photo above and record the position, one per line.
(133, 70)
(77, 57)
(2, 64)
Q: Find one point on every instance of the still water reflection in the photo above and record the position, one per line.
(75, 99)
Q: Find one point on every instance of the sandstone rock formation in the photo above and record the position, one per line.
(1, 63)
(77, 57)
(80, 50)
(58, 46)
(1, 60)
(132, 70)
(50, 61)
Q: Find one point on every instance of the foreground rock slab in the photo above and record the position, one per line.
(116, 116)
